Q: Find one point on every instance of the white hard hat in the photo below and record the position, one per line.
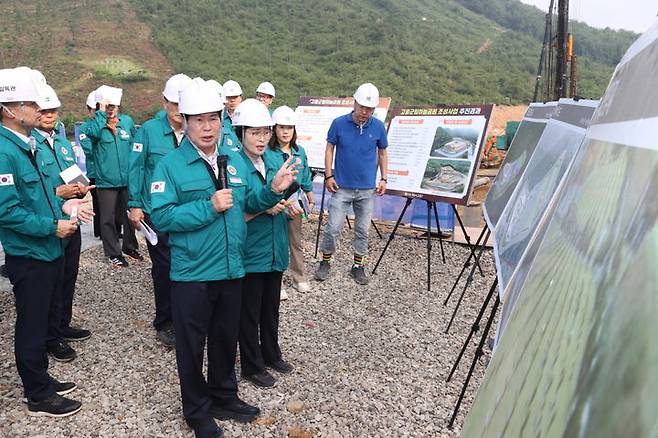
(100, 91)
(367, 95)
(252, 113)
(199, 97)
(38, 76)
(17, 86)
(174, 85)
(48, 99)
(266, 88)
(110, 94)
(284, 115)
(91, 99)
(232, 88)
(218, 87)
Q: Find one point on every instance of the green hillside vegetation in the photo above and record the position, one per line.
(603, 45)
(81, 44)
(416, 51)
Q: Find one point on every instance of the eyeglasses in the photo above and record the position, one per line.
(260, 133)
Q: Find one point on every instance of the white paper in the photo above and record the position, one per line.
(73, 174)
(147, 231)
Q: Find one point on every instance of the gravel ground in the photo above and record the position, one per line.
(370, 361)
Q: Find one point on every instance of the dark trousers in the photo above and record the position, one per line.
(160, 266)
(259, 319)
(206, 310)
(35, 285)
(112, 203)
(94, 203)
(71, 266)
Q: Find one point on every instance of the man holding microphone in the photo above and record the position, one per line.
(199, 195)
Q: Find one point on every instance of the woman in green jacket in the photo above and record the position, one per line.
(266, 252)
(284, 143)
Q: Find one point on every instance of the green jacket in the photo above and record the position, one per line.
(228, 138)
(111, 151)
(87, 146)
(29, 209)
(267, 235)
(205, 245)
(304, 176)
(62, 156)
(152, 141)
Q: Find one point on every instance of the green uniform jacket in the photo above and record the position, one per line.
(228, 138)
(267, 235)
(111, 152)
(304, 176)
(29, 209)
(62, 155)
(152, 141)
(87, 146)
(205, 245)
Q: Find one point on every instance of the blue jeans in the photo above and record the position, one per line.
(362, 202)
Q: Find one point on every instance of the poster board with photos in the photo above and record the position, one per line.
(434, 151)
(314, 117)
(578, 356)
(518, 155)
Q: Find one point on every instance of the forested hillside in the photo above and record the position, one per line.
(417, 51)
(603, 45)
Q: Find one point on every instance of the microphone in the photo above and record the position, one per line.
(222, 160)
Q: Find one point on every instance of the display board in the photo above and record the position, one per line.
(518, 155)
(434, 151)
(578, 356)
(538, 184)
(314, 117)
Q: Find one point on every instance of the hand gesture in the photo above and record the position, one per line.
(65, 228)
(278, 208)
(136, 216)
(222, 200)
(331, 185)
(84, 208)
(294, 210)
(381, 188)
(286, 175)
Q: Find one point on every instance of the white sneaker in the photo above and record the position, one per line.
(284, 294)
(302, 287)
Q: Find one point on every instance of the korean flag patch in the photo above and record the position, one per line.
(158, 187)
(137, 147)
(7, 180)
(83, 136)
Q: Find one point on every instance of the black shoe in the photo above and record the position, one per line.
(55, 406)
(61, 388)
(62, 352)
(167, 336)
(234, 410)
(134, 254)
(206, 429)
(281, 366)
(118, 262)
(358, 274)
(323, 271)
(262, 379)
(72, 334)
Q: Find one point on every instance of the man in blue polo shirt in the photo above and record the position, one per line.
(358, 141)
